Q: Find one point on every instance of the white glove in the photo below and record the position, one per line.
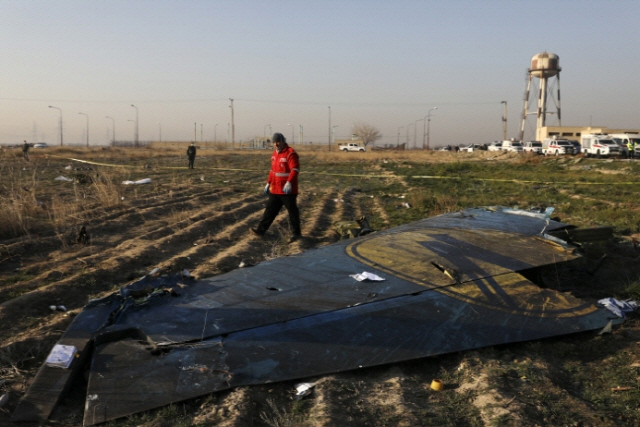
(287, 188)
(266, 188)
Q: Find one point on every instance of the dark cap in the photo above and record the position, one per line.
(278, 137)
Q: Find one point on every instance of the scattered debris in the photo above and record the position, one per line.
(4, 399)
(617, 307)
(61, 356)
(367, 276)
(138, 182)
(352, 229)
(303, 389)
(437, 385)
(621, 388)
(63, 178)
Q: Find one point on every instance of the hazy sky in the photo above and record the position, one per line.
(383, 63)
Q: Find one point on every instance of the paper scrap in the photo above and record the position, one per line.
(367, 276)
(61, 356)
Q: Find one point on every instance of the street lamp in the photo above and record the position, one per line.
(504, 120)
(84, 114)
(51, 106)
(333, 133)
(137, 127)
(113, 133)
(398, 143)
(428, 122)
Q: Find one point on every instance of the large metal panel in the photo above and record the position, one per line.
(451, 284)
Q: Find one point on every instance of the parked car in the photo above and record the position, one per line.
(473, 147)
(495, 146)
(534, 147)
(40, 145)
(556, 147)
(513, 146)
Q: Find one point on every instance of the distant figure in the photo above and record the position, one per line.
(83, 236)
(191, 154)
(282, 188)
(25, 151)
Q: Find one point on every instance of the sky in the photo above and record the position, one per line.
(320, 65)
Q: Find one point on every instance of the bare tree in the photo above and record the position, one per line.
(366, 133)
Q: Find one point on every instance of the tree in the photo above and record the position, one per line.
(366, 133)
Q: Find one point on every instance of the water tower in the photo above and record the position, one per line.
(544, 67)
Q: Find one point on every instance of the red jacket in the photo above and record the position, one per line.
(285, 166)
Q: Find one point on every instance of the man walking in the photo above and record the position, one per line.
(25, 151)
(282, 188)
(191, 154)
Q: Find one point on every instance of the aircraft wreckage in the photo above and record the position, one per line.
(453, 282)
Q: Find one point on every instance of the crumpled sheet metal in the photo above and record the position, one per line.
(451, 284)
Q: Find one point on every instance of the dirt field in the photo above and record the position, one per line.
(199, 220)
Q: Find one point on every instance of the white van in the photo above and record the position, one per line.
(599, 145)
(623, 138)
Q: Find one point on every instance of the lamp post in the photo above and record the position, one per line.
(137, 127)
(398, 143)
(84, 114)
(333, 133)
(414, 132)
(504, 121)
(51, 106)
(428, 122)
(233, 126)
(113, 130)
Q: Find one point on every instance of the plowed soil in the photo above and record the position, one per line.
(199, 220)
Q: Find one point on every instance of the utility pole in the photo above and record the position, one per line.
(329, 127)
(137, 127)
(87, 116)
(504, 121)
(233, 126)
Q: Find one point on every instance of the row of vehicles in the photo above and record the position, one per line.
(596, 145)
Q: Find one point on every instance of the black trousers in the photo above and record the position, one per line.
(274, 204)
(191, 160)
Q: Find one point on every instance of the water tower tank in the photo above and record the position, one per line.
(544, 65)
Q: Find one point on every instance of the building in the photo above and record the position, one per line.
(574, 132)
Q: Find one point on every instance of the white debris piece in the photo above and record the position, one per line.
(303, 389)
(61, 356)
(367, 276)
(617, 307)
(138, 182)
(63, 178)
